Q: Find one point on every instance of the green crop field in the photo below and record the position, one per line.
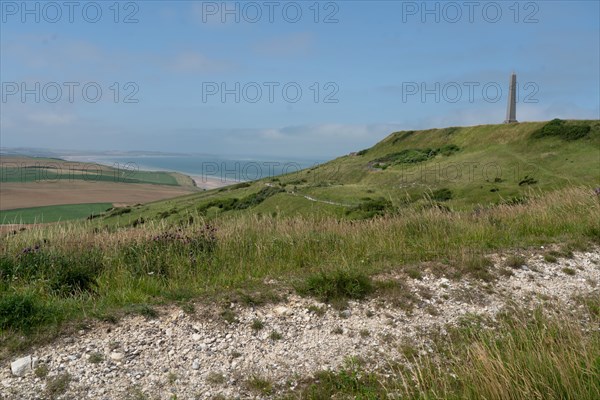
(18, 169)
(47, 214)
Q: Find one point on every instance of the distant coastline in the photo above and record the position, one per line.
(207, 172)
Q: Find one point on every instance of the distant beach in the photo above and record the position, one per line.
(208, 172)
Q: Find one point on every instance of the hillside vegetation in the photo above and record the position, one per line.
(463, 169)
(325, 232)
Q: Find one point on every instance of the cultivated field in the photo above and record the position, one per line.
(49, 190)
(63, 212)
(26, 195)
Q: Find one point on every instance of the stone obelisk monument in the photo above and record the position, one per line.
(511, 110)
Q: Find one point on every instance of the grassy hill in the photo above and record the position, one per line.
(452, 168)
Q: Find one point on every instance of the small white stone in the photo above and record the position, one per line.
(281, 310)
(21, 366)
(116, 356)
(196, 364)
(196, 337)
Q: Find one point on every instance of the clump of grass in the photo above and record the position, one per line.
(136, 393)
(551, 258)
(408, 350)
(229, 315)
(259, 385)
(527, 180)
(364, 333)
(188, 308)
(96, 358)
(172, 377)
(398, 293)
(515, 261)
(144, 310)
(318, 311)
(591, 302)
(215, 378)
(414, 272)
(257, 324)
(477, 267)
(275, 336)
(41, 371)
(57, 385)
(341, 284)
(352, 381)
(569, 271)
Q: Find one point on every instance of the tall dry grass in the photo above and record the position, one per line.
(108, 269)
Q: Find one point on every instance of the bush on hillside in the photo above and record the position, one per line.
(562, 129)
(21, 311)
(370, 208)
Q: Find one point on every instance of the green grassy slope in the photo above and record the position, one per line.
(312, 232)
(452, 168)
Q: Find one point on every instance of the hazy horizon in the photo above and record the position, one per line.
(289, 79)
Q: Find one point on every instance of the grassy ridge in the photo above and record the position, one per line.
(458, 168)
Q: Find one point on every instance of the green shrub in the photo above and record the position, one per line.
(370, 208)
(76, 274)
(240, 185)
(443, 194)
(562, 129)
(400, 136)
(118, 211)
(449, 149)
(528, 180)
(7, 267)
(251, 200)
(413, 156)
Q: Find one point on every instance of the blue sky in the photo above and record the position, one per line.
(365, 57)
